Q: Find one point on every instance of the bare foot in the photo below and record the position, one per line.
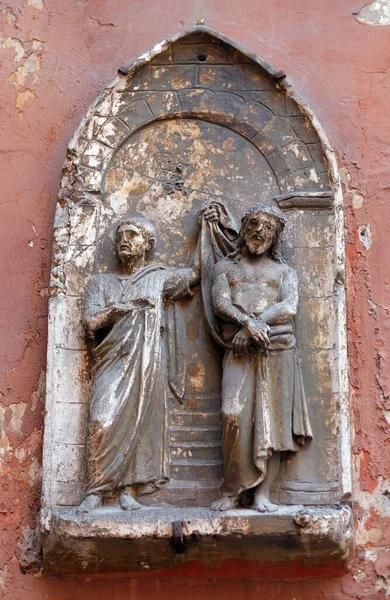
(224, 503)
(89, 503)
(262, 504)
(127, 502)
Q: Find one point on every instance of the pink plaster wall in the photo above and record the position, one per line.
(55, 58)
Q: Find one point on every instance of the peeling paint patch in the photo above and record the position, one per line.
(30, 66)
(376, 13)
(23, 97)
(10, 15)
(15, 44)
(373, 308)
(364, 232)
(357, 199)
(4, 440)
(28, 57)
(38, 4)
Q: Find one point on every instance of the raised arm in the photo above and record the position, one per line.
(284, 310)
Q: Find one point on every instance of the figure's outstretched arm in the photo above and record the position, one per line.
(179, 283)
(286, 309)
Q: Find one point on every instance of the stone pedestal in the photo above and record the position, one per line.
(110, 540)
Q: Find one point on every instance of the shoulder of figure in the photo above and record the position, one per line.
(100, 280)
(222, 267)
(288, 271)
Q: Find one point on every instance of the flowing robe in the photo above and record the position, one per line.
(264, 409)
(142, 356)
(127, 443)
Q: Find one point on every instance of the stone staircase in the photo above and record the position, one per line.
(195, 455)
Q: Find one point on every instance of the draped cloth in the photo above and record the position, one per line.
(215, 241)
(128, 412)
(264, 410)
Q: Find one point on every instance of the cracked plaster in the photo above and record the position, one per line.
(376, 13)
(358, 128)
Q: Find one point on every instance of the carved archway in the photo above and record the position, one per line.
(201, 77)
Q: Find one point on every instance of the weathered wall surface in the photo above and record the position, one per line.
(55, 59)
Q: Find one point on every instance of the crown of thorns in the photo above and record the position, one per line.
(263, 208)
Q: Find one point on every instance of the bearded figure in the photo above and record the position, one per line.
(264, 411)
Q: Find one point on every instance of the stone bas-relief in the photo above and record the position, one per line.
(138, 357)
(176, 152)
(255, 296)
(127, 314)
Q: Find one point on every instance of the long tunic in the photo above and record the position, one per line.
(127, 442)
(264, 410)
(135, 365)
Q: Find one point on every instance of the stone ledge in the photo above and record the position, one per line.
(111, 540)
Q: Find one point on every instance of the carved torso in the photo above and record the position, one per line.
(254, 284)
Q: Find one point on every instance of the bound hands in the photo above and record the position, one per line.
(254, 330)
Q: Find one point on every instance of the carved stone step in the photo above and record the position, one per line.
(194, 434)
(194, 484)
(197, 402)
(185, 493)
(200, 462)
(189, 418)
(198, 470)
(196, 450)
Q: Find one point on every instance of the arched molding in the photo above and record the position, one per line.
(261, 106)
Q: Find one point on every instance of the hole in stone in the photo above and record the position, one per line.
(202, 57)
(364, 232)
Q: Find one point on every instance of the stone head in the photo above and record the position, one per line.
(135, 238)
(260, 232)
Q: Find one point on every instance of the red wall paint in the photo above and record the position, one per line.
(55, 58)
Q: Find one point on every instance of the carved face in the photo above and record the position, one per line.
(260, 232)
(130, 243)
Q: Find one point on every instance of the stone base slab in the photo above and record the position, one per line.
(112, 540)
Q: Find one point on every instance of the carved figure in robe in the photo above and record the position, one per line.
(264, 411)
(136, 338)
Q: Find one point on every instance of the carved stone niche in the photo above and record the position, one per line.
(196, 121)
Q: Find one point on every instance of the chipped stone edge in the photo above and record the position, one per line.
(315, 521)
(321, 534)
(47, 462)
(341, 333)
(375, 14)
(340, 294)
(341, 322)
